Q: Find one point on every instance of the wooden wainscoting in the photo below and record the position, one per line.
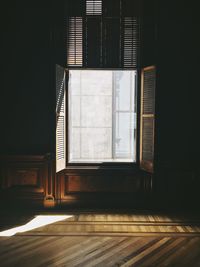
(26, 180)
(29, 180)
(103, 187)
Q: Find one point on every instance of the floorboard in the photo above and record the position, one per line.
(103, 240)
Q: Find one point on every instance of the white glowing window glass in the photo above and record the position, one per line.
(102, 116)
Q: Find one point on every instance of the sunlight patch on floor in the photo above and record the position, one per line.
(38, 221)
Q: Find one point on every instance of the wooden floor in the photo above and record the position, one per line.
(99, 251)
(118, 224)
(104, 239)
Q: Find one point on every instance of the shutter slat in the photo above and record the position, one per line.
(93, 7)
(147, 136)
(130, 42)
(103, 34)
(60, 118)
(147, 118)
(75, 42)
(149, 92)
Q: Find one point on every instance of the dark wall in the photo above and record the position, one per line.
(27, 116)
(177, 82)
(177, 180)
(27, 82)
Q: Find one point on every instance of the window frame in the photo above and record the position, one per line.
(105, 165)
(143, 61)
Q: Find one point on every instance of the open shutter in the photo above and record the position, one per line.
(60, 118)
(147, 123)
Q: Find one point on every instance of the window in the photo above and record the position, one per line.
(105, 53)
(102, 116)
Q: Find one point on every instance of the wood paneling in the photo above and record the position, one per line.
(23, 176)
(27, 179)
(101, 185)
(33, 178)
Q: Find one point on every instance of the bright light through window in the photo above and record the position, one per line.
(38, 221)
(102, 116)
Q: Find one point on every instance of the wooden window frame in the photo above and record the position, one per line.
(103, 165)
(113, 165)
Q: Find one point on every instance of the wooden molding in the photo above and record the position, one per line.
(28, 178)
(50, 182)
(78, 186)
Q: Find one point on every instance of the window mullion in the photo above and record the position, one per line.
(113, 116)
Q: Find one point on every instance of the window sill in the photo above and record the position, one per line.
(103, 166)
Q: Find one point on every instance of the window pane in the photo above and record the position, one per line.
(96, 143)
(124, 136)
(125, 118)
(123, 82)
(101, 116)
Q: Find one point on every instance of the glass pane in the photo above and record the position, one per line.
(125, 118)
(122, 87)
(124, 136)
(96, 111)
(101, 116)
(96, 82)
(75, 144)
(96, 143)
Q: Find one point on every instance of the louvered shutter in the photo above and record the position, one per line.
(60, 118)
(75, 42)
(93, 7)
(147, 123)
(103, 34)
(131, 11)
(130, 42)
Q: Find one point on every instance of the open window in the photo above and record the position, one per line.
(97, 119)
(101, 116)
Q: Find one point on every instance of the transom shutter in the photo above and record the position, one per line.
(103, 33)
(75, 42)
(60, 118)
(147, 123)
